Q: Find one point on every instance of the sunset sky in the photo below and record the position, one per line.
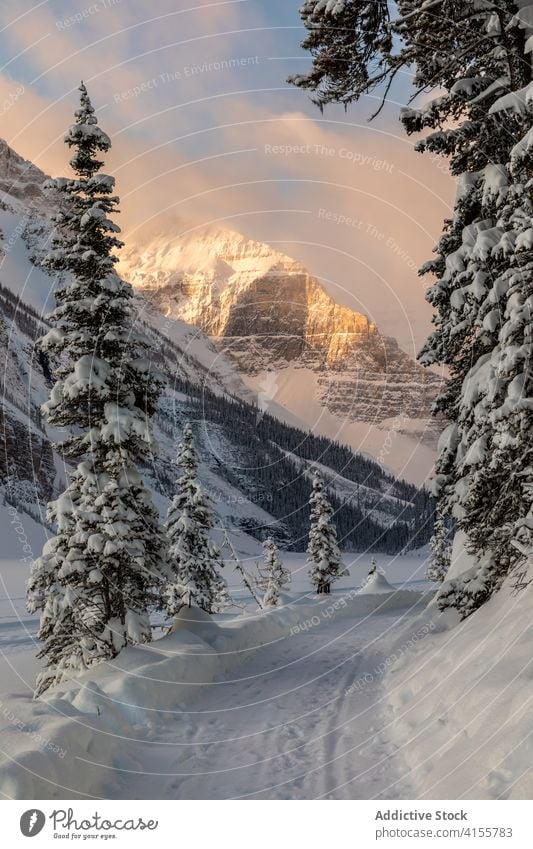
(206, 129)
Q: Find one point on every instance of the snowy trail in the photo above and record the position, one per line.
(284, 727)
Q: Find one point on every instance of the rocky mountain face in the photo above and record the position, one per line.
(27, 466)
(235, 288)
(20, 179)
(266, 313)
(256, 468)
(271, 324)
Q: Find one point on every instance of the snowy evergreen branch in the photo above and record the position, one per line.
(196, 562)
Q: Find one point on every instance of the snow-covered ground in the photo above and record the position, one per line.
(18, 646)
(284, 704)
(296, 720)
(264, 705)
(360, 694)
(462, 702)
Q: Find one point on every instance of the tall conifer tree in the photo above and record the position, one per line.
(196, 562)
(474, 55)
(104, 568)
(323, 551)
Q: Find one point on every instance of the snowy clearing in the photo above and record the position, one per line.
(276, 702)
(364, 694)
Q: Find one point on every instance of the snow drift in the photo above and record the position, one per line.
(67, 744)
(462, 698)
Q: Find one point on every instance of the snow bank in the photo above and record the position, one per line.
(461, 561)
(462, 700)
(66, 744)
(52, 747)
(198, 622)
(376, 583)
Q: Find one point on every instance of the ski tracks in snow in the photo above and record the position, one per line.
(302, 718)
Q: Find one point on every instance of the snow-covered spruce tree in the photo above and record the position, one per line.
(473, 55)
(441, 551)
(276, 577)
(324, 555)
(98, 577)
(194, 559)
(512, 414)
(496, 413)
(50, 592)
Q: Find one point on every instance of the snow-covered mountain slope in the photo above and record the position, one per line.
(251, 463)
(31, 472)
(276, 336)
(21, 179)
(27, 464)
(234, 287)
(280, 327)
(294, 392)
